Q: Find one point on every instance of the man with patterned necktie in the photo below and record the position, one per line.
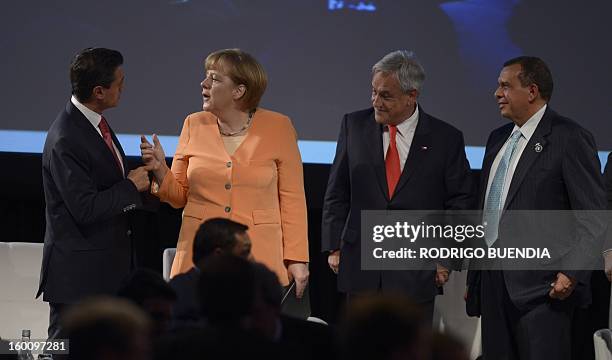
(392, 156)
(539, 161)
(89, 191)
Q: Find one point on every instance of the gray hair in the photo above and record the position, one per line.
(405, 66)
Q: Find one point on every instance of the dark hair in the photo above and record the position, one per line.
(445, 346)
(93, 67)
(377, 326)
(143, 284)
(534, 71)
(216, 233)
(100, 324)
(227, 290)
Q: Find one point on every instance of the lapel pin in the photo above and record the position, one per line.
(424, 147)
(538, 147)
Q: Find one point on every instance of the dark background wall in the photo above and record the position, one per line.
(318, 59)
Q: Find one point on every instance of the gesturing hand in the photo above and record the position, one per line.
(153, 156)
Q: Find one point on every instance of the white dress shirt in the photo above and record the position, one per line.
(527, 131)
(95, 118)
(403, 139)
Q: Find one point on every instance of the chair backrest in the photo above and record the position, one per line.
(602, 339)
(167, 260)
(19, 277)
(19, 270)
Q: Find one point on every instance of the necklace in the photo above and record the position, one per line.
(246, 126)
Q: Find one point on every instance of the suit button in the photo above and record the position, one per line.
(228, 186)
(228, 209)
(228, 164)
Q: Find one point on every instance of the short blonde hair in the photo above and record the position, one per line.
(243, 69)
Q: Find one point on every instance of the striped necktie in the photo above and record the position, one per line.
(494, 206)
(108, 139)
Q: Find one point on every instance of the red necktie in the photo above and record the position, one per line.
(392, 161)
(108, 139)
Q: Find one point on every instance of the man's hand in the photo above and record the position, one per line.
(562, 287)
(299, 272)
(608, 264)
(441, 275)
(153, 157)
(334, 260)
(140, 178)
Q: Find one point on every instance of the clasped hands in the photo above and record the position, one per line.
(154, 161)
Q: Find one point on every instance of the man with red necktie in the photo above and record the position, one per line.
(392, 156)
(89, 191)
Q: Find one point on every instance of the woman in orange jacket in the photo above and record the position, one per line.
(237, 161)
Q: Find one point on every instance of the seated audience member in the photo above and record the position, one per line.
(214, 343)
(227, 291)
(151, 293)
(384, 327)
(215, 236)
(447, 347)
(106, 328)
(228, 295)
(300, 338)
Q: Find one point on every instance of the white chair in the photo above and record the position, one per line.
(167, 260)
(19, 276)
(602, 340)
(450, 316)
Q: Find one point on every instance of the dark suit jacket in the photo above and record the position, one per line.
(607, 178)
(436, 176)
(87, 248)
(564, 175)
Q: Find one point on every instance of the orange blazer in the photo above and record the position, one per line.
(261, 186)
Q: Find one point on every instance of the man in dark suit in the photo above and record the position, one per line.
(607, 178)
(539, 161)
(392, 156)
(89, 191)
(215, 236)
(597, 315)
